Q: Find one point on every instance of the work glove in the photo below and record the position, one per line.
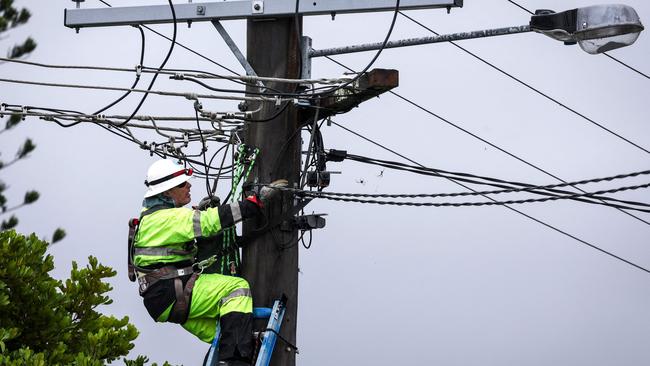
(267, 193)
(208, 202)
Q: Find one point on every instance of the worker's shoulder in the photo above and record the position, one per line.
(167, 212)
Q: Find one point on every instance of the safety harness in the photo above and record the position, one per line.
(148, 277)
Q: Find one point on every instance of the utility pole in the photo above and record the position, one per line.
(270, 261)
(270, 255)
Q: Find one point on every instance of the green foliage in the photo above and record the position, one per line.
(3, 199)
(10, 223)
(12, 17)
(28, 147)
(44, 321)
(31, 197)
(59, 234)
(13, 121)
(23, 49)
(141, 361)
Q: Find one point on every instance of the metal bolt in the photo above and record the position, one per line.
(258, 7)
(200, 10)
(78, 3)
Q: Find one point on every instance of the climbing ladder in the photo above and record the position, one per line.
(271, 332)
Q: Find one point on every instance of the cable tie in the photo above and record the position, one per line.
(178, 76)
(23, 111)
(186, 139)
(191, 96)
(277, 101)
(138, 70)
(152, 148)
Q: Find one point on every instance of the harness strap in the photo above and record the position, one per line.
(148, 279)
(181, 309)
(133, 226)
(161, 251)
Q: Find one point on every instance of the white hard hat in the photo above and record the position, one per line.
(163, 175)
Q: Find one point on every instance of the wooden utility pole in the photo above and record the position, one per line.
(270, 261)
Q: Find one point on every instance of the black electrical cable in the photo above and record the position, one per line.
(203, 151)
(225, 154)
(475, 136)
(507, 186)
(346, 198)
(179, 44)
(511, 208)
(137, 77)
(379, 51)
(532, 88)
(162, 65)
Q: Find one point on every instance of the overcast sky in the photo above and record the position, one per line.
(386, 285)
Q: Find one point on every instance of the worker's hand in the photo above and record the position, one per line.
(208, 202)
(269, 192)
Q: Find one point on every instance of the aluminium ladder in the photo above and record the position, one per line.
(275, 316)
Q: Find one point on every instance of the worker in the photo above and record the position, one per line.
(163, 257)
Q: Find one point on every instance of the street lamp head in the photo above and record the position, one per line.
(598, 28)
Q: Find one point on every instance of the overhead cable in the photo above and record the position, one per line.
(349, 197)
(431, 113)
(179, 44)
(552, 227)
(165, 93)
(505, 185)
(547, 96)
(155, 76)
(198, 74)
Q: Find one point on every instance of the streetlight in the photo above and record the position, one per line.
(597, 29)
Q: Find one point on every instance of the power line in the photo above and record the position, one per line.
(164, 93)
(481, 139)
(348, 197)
(556, 101)
(155, 76)
(503, 185)
(604, 53)
(508, 207)
(180, 44)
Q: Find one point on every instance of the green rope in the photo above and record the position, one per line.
(229, 245)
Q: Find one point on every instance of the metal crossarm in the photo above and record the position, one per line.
(227, 10)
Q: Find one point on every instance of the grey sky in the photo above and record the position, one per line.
(386, 285)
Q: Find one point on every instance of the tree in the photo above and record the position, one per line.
(44, 321)
(10, 17)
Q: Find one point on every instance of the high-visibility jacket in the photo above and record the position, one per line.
(163, 236)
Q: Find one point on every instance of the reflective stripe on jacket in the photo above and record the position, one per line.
(172, 228)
